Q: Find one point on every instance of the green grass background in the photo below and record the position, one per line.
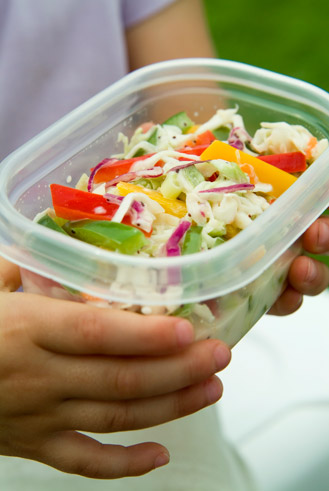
(285, 36)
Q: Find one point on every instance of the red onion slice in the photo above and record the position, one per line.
(136, 210)
(236, 143)
(237, 137)
(95, 170)
(172, 245)
(187, 164)
(113, 198)
(244, 186)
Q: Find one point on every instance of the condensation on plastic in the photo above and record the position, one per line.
(88, 134)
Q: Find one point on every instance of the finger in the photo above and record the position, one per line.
(308, 276)
(100, 378)
(72, 328)
(10, 278)
(106, 417)
(316, 237)
(76, 453)
(288, 302)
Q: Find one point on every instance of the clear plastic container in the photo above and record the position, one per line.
(238, 281)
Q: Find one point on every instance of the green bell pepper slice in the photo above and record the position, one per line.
(181, 120)
(193, 176)
(192, 241)
(48, 222)
(108, 235)
(153, 140)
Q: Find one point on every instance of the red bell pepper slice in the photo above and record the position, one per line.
(198, 150)
(198, 144)
(289, 162)
(204, 138)
(115, 168)
(74, 204)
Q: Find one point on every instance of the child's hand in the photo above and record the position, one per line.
(66, 366)
(306, 275)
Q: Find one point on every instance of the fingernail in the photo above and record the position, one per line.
(184, 332)
(222, 356)
(214, 390)
(162, 459)
(311, 272)
(323, 237)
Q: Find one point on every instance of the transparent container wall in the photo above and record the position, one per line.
(228, 317)
(97, 138)
(90, 134)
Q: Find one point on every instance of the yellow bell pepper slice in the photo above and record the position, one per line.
(279, 179)
(172, 206)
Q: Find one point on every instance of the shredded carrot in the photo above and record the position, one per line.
(89, 298)
(311, 144)
(248, 169)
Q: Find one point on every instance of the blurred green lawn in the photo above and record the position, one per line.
(286, 36)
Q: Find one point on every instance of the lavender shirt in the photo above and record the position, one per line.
(55, 54)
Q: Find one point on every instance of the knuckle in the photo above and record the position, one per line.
(90, 327)
(127, 382)
(100, 468)
(159, 331)
(89, 468)
(197, 367)
(179, 406)
(188, 401)
(121, 418)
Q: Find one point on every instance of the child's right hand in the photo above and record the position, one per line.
(66, 367)
(307, 276)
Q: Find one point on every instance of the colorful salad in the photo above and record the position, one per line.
(178, 189)
(181, 188)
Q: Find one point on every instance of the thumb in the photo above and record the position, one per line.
(10, 278)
